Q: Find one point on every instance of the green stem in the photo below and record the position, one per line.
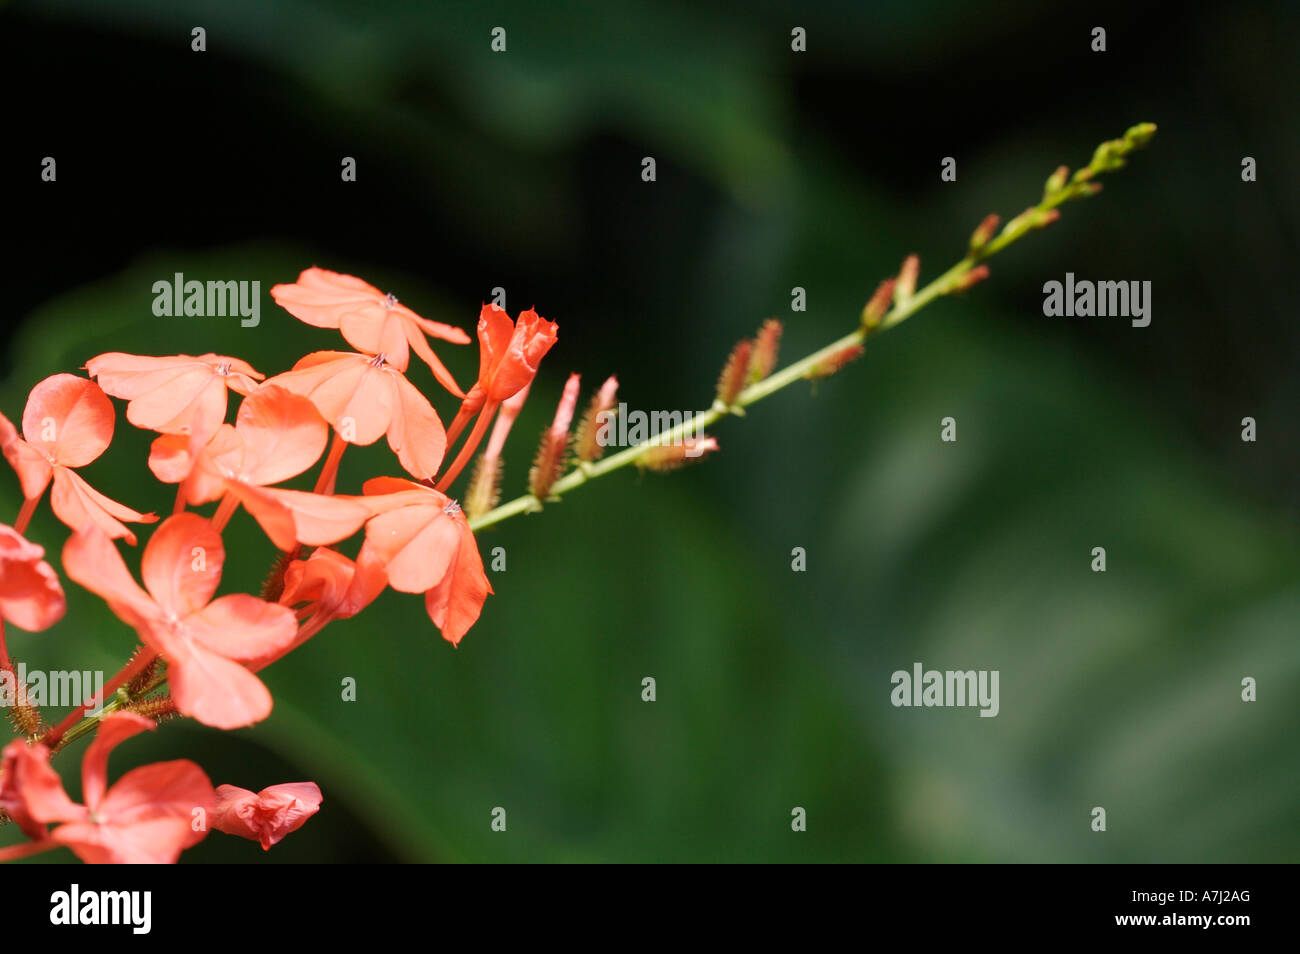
(1108, 157)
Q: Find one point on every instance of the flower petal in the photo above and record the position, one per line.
(114, 729)
(321, 297)
(349, 392)
(30, 594)
(215, 690)
(68, 418)
(455, 603)
(268, 815)
(316, 520)
(30, 790)
(240, 626)
(90, 559)
(76, 503)
(29, 463)
(283, 435)
(416, 545)
(182, 564)
(157, 791)
(415, 433)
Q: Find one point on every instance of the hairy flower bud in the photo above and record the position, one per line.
(762, 358)
(833, 362)
(983, 233)
(586, 445)
(732, 380)
(879, 304)
(973, 277)
(549, 462)
(905, 287)
(666, 457)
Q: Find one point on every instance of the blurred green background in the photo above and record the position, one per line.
(775, 169)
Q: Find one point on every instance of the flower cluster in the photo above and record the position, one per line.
(201, 651)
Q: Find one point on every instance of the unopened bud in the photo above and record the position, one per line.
(833, 362)
(1056, 181)
(1139, 135)
(484, 490)
(586, 445)
(879, 304)
(160, 710)
(973, 277)
(767, 343)
(983, 233)
(549, 461)
(905, 286)
(732, 380)
(665, 457)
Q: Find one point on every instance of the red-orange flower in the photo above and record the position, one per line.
(366, 398)
(181, 394)
(146, 817)
(372, 322)
(426, 546)
(203, 640)
(277, 435)
(332, 585)
(67, 423)
(265, 816)
(510, 352)
(30, 595)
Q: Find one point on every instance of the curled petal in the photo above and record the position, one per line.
(32, 466)
(30, 595)
(30, 790)
(455, 603)
(75, 502)
(266, 816)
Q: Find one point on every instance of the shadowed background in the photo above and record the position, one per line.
(775, 169)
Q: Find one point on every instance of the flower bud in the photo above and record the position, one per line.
(484, 490)
(1056, 181)
(1139, 135)
(762, 358)
(833, 362)
(732, 380)
(550, 452)
(665, 457)
(879, 304)
(980, 237)
(586, 446)
(973, 277)
(905, 286)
